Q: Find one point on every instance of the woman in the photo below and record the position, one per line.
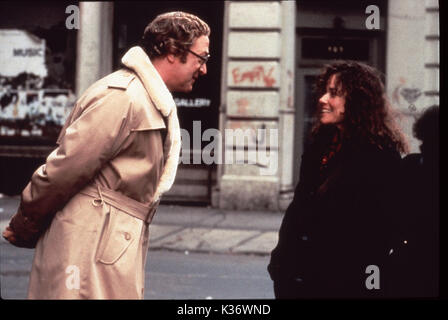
(335, 237)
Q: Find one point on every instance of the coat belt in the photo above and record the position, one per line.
(118, 200)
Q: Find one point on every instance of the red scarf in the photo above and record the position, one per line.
(334, 148)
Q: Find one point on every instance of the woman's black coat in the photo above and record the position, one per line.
(338, 225)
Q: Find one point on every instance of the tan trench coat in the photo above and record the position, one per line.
(91, 249)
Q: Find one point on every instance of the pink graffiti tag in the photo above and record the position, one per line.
(256, 74)
(242, 104)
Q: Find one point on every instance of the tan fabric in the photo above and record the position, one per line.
(137, 60)
(91, 251)
(112, 139)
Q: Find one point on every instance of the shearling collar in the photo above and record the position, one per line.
(137, 60)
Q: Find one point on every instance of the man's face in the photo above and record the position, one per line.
(186, 73)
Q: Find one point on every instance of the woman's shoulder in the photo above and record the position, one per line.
(372, 153)
(412, 158)
(412, 161)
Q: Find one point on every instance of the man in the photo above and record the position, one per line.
(415, 261)
(88, 208)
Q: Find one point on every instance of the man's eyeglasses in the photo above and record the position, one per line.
(204, 59)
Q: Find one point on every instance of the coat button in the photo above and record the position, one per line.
(127, 236)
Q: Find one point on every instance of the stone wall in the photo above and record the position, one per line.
(257, 95)
(412, 73)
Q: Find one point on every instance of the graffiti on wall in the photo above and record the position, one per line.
(242, 104)
(409, 94)
(254, 75)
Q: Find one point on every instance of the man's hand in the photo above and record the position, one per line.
(9, 235)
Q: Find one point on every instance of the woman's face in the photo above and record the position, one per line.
(332, 104)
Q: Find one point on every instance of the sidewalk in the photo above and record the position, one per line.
(202, 229)
(199, 229)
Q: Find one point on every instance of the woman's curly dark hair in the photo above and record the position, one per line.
(367, 116)
(172, 32)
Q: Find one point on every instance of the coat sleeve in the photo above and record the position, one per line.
(87, 143)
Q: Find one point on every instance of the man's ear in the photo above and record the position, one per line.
(171, 57)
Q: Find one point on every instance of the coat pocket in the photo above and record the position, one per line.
(119, 232)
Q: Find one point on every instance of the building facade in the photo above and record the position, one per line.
(245, 124)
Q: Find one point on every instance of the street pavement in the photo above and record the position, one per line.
(195, 253)
(198, 229)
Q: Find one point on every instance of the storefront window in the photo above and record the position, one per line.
(37, 70)
(37, 77)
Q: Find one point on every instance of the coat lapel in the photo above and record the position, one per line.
(137, 60)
